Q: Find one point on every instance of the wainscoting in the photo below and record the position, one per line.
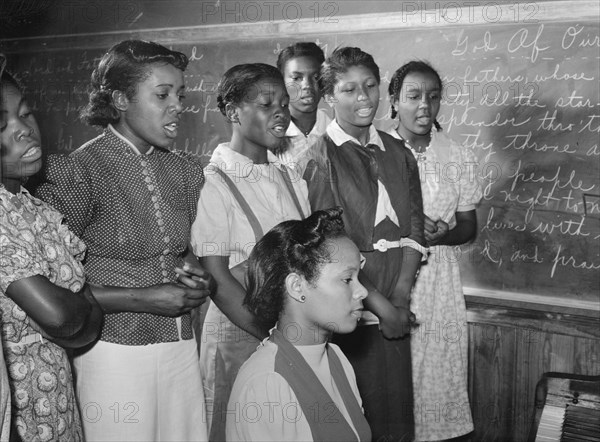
(511, 344)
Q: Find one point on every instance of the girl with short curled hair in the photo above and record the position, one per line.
(440, 366)
(247, 191)
(299, 64)
(133, 201)
(375, 179)
(303, 280)
(122, 68)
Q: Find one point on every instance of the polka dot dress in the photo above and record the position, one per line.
(134, 211)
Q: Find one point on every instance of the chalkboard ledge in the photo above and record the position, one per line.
(534, 312)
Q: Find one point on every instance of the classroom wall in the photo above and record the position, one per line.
(524, 317)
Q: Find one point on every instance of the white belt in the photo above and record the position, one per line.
(383, 245)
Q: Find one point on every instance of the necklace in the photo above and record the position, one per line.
(419, 154)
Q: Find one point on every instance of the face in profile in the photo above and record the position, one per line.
(151, 116)
(264, 115)
(418, 103)
(355, 98)
(301, 77)
(334, 300)
(21, 151)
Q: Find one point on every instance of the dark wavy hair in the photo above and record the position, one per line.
(299, 49)
(340, 61)
(290, 247)
(238, 82)
(421, 67)
(122, 68)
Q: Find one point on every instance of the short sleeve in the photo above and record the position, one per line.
(194, 179)
(211, 229)
(470, 186)
(266, 409)
(19, 256)
(66, 188)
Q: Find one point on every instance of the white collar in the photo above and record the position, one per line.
(317, 129)
(129, 143)
(339, 137)
(234, 163)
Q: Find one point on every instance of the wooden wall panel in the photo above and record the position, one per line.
(506, 362)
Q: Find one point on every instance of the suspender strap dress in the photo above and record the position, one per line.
(252, 219)
(326, 421)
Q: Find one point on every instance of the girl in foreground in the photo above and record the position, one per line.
(303, 276)
(439, 362)
(44, 300)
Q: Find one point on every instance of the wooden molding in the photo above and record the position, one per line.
(535, 312)
(410, 16)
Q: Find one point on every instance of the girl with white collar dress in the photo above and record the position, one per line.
(374, 178)
(247, 191)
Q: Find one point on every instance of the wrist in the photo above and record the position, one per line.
(401, 299)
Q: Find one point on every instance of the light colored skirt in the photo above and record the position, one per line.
(224, 347)
(141, 393)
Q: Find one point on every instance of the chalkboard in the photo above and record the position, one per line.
(521, 90)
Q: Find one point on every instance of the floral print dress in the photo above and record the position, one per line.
(33, 241)
(439, 345)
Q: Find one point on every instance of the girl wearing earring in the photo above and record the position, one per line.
(303, 281)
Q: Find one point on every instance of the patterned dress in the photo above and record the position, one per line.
(33, 241)
(440, 344)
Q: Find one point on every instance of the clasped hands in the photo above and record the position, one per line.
(435, 230)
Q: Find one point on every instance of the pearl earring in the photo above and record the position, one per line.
(302, 298)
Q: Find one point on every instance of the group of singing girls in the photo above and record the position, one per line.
(320, 243)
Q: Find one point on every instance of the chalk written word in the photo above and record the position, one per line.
(524, 142)
(467, 118)
(561, 260)
(572, 38)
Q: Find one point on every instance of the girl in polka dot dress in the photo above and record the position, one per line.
(133, 202)
(247, 192)
(44, 300)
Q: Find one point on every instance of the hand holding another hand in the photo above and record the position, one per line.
(435, 230)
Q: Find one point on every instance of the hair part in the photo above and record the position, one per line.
(238, 82)
(299, 247)
(415, 66)
(297, 50)
(122, 68)
(340, 61)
